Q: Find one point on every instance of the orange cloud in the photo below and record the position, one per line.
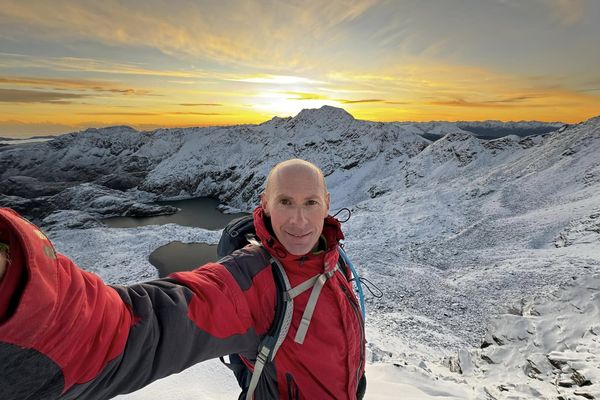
(73, 84)
(201, 104)
(193, 113)
(110, 113)
(361, 101)
(305, 96)
(33, 96)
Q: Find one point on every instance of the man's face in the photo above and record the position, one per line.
(297, 203)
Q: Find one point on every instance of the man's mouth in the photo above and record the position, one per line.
(298, 235)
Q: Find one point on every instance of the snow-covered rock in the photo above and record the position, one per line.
(549, 348)
(105, 202)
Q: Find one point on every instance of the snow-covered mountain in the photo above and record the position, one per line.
(465, 236)
(175, 162)
(229, 163)
(482, 129)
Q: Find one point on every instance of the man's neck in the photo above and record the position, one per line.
(320, 246)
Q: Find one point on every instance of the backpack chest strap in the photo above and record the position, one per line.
(317, 283)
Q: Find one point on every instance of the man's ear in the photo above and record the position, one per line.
(327, 201)
(263, 203)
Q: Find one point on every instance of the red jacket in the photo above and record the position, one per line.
(64, 334)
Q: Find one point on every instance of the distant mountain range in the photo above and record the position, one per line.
(485, 129)
(11, 139)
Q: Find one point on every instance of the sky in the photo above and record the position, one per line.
(69, 65)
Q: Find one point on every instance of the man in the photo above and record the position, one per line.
(66, 335)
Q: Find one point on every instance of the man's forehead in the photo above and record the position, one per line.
(296, 179)
(296, 171)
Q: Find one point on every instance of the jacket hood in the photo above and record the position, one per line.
(332, 233)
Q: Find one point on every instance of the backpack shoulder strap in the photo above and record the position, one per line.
(284, 310)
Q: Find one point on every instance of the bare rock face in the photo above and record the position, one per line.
(104, 202)
(29, 187)
(122, 181)
(33, 209)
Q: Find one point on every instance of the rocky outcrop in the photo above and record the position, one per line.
(104, 202)
(541, 346)
(583, 231)
(29, 187)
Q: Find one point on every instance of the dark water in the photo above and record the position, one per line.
(177, 256)
(200, 212)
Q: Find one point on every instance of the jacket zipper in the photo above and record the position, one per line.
(362, 331)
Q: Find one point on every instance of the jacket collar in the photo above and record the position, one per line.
(320, 262)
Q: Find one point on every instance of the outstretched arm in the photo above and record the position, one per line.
(64, 334)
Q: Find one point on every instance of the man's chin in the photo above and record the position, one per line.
(298, 253)
(297, 250)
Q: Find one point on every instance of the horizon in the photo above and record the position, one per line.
(67, 66)
(258, 123)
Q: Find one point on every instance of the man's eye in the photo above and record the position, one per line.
(285, 202)
(312, 202)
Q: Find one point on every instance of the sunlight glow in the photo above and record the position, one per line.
(278, 80)
(283, 104)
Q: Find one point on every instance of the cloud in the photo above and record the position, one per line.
(361, 101)
(145, 113)
(305, 96)
(108, 113)
(314, 98)
(91, 65)
(501, 103)
(33, 96)
(63, 83)
(201, 104)
(567, 12)
(73, 84)
(276, 80)
(194, 113)
(248, 32)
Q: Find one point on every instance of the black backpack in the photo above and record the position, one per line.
(237, 234)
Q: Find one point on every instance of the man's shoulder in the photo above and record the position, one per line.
(246, 263)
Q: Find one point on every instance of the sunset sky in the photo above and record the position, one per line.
(69, 65)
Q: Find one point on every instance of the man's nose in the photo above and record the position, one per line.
(298, 216)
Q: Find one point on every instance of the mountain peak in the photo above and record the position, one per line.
(594, 120)
(325, 113)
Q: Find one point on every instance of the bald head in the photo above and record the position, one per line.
(292, 168)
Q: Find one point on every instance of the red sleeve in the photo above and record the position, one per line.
(53, 308)
(67, 333)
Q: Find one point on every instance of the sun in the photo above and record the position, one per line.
(283, 103)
